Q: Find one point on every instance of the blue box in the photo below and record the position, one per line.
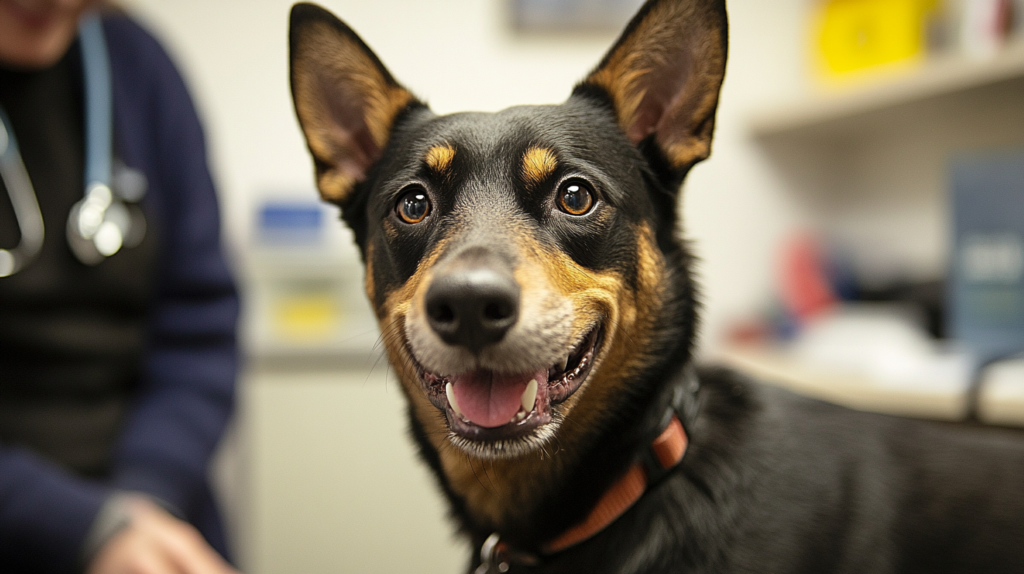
(290, 223)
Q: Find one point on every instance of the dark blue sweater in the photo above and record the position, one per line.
(185, 392)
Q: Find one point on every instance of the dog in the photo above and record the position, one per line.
(537, 303)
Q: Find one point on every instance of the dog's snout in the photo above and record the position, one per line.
(473, 306)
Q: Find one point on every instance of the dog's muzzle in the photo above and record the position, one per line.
(495, 372)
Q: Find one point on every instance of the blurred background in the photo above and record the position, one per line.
(860, 229)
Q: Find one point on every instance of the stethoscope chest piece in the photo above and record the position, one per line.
(104, 221)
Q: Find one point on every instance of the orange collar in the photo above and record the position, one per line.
(667, 449)
(663, 454)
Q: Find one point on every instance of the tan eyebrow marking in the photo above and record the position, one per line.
(538, 164)
(439, 158)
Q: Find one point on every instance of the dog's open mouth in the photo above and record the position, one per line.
(486, 406)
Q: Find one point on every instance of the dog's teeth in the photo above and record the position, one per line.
(450, 391)
(529, 395)
(519, 416)
(559, 367)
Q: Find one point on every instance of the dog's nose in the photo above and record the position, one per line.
(472, 306)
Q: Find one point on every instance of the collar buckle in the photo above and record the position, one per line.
(491, 556)
(496, 557)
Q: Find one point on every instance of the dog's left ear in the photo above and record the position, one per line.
(663, 76)
(345, 98)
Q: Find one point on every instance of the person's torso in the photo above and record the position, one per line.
(72, 336)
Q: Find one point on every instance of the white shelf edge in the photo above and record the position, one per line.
(941, 76)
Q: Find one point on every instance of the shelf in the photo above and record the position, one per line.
(1001, 401)
(936, 79)
(779, 367)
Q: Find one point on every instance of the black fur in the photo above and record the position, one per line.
(775, 482)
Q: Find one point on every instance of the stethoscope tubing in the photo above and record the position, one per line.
(99, 101)
(23, 199)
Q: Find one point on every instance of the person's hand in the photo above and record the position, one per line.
(157, 543)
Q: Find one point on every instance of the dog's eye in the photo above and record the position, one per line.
(413, 206)
(575, 197)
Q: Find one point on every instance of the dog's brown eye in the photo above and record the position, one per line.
(575, 197)
(414, 206)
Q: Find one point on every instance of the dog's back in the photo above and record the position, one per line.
(777, 482)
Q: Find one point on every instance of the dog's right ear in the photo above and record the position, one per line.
(663, 76)
(345, 99)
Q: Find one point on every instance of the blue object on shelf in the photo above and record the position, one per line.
(290, 223)
(986, 298)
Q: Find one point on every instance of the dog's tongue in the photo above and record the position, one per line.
(489, 399)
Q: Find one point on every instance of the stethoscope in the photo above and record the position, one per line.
(105, 219)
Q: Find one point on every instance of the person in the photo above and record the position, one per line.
(117, 310)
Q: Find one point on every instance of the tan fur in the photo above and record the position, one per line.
(495, 490)
(624, 77)
(439, 158)
(392, 317)
(538, 164)
(328, 66)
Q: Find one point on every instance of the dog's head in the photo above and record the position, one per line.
(523, 265)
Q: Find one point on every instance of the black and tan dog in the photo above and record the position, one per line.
(536, 301)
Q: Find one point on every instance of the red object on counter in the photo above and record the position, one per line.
(805, 287)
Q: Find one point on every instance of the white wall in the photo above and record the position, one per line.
(458, 55)
(736, 208)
